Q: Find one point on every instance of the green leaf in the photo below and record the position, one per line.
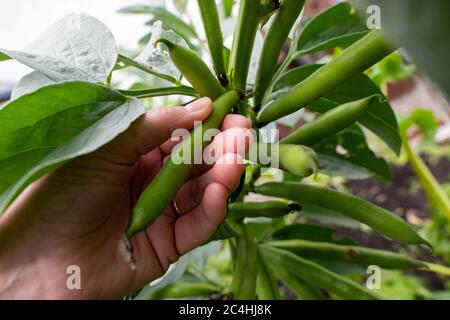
(228, 7)
(425, 120)
(156, 57)
(41, 131)
(357, 152)
(392, 69)
(4, 57)
(312, 233)
(336, 166)
(29, 83)
(339, 26)
(380, 119)
(77, 47)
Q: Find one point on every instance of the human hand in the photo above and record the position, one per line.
(77, 214)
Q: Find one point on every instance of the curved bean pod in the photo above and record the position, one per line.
(351, 254)
(355, 59)
(194, 69)
(356, 208)
(330, 122)
(211, 23)
(268, 209)
(283, 22)
(299, 160)
(155, 199)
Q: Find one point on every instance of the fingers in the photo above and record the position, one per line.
(235, 121)
(196, 227)
(227, 172)
(155, 127)
(230, 121)
(226, 153)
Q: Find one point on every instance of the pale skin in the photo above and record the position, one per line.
(78, 214)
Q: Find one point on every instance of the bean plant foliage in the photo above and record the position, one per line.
(69, 106)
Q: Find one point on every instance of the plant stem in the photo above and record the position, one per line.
(160, 92)
(132, 63)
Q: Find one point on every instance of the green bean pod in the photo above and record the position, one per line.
(355, 59)
(330, 122)
(246, 268)
(269, 209)
(316, 275)
(284, 20)
(155, 199)
(243, 42)
(211, 24)
(266, 282)
(301, 288)
(356, 208)
(351, 254)
(299, 160)
(194, 69)
(180, 290)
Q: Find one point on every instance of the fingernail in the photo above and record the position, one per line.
(198, 105)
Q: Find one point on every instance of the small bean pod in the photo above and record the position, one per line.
(155, 199)
(246, 268)
(243, 42)
(330, 122)
(316, 275)
(356, 208)
(194, 69)
(180, 290)
(284, 20)
(269, 209)
(266, 282)
(299, 160)
(355, 59)
(301, 288)
(211, 23)
(351, 254)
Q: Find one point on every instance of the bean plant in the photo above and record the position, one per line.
(71, 105)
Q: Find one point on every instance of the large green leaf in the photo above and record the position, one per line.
(43, 130)
(357, 153)
(156, 57)
(29, 83)
(339, 26)
(228, 7)
(77, 47)
(380, 118)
